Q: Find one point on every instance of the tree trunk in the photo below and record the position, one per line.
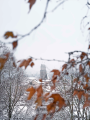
(10, 108)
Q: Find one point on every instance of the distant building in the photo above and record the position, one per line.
(43, 73)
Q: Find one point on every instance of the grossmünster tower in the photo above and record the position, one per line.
(43, 73)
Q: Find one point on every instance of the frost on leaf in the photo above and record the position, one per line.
(88, 63)
(80, 68)
(9, 34)
(73, 62)
(46, 96)
(83, 54)
(87, 78)
(3, 60)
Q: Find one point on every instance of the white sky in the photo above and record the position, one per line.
(59, 33)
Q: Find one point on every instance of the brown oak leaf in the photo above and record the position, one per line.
(32, 91)
(32, 2)
(32, 64)
(39, 102)
(83, 54)
(15, 43)
(39, 91)
(80, 68)
(64, 67)
(9, 34)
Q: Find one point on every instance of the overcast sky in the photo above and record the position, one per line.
(59, 33)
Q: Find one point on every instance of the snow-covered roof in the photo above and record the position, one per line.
(32, 78)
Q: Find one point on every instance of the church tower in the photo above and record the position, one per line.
(43, 73)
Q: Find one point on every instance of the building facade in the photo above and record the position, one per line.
(43, 72)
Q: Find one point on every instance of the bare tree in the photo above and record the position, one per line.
(11, 88)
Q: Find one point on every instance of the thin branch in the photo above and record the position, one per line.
(44, 16)
(59, 5)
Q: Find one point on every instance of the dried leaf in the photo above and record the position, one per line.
(31, 3)
(53, 87)
(14, 64)
(3, 61)
(73, 62)
(86, 104)
(1, 66)
(9, 34)
(79, 93)
(87, 78)
(51, 107)
(89, 47)
(88, 63)
(40, 80)
(39, 102)
(54, 79)
(64, 67)
(80, 68)
(22, 63)
(56, 72)
(79, 82)
(75, 92)
(75, 80)
(15, 43)
(61, 104)
(83, 54)
(46, 96)
(86, 96)
(18, 61)
(56, 97)
(66, 73)
(86, 87)
(29, 60)
(7, 55)
(44, 117)
(32, 91)
(39, 91)
(86, 75)
(32, 64)
(36, 117)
